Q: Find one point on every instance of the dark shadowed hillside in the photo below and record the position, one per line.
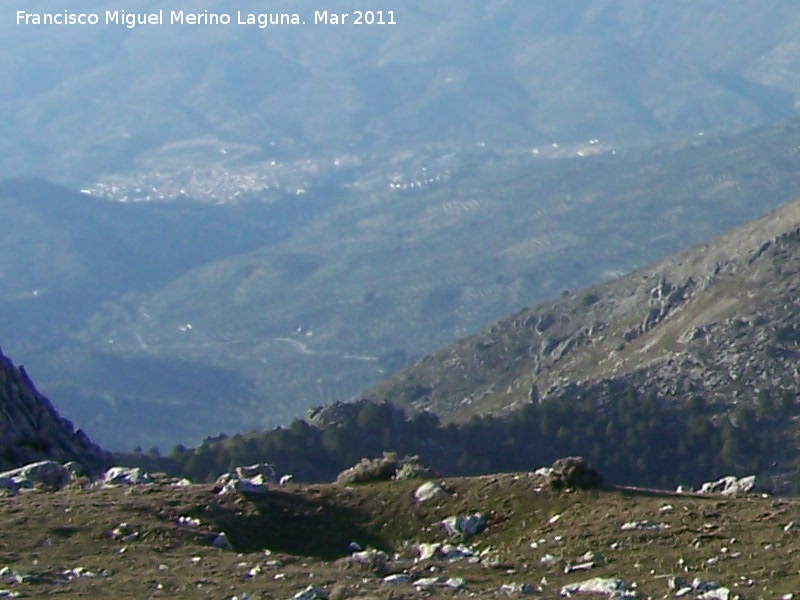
(32, 430)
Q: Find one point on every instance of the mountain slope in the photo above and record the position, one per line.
(33, 430)
(719, 321)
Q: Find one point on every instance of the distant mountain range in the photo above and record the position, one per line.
(155, 323)
(81, 101)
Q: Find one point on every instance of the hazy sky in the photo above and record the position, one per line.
(82, 100)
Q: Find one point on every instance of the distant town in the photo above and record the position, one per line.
(218, 173)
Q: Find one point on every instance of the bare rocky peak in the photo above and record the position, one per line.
(32, 429)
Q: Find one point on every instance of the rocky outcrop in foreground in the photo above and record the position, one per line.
(32, 429)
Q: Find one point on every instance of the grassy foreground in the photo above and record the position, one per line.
(298, 535)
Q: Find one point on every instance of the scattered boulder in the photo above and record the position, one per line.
(123, 533)
(244, 486)
(251, 479)
(257, 473)
(571, 472)
(516, 589)
(643, 526)
(734, 486)
(387, 467)
(610, 586)
(427, 551)
(427, 583)
(588, 561)
(449, 552)
(75, 469)
(455, 583)
(370, 559)
(125, 476)
(722, 593)
(312, 592)
(47, 473)
(399, 578)
(429, 490)
(464, 527)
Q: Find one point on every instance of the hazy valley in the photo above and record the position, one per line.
(310, 309)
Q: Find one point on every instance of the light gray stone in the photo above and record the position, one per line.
(455, 583)
(430, 490)
(398, 578)
(735, 486)
(125, 476)
(48, 473)
(427, 582)
(312, 592)
(721, 593)
(427, 551)
(512, 589)
(643, 526)
(251, 479)
(610, 586)
(464, 526)
(257, 473)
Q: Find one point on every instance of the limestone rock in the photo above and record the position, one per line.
(388, 466)
(125, 476)
(312, 592)
(251, 479)
(429, 490)
(610, 586)
(464, 527)
(516, 589)
(572, 472)
(48, 473)
(734, 486)
(258, 473)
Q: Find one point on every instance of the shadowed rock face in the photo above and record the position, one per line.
(32, 429)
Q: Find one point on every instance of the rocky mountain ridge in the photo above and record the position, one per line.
(719, 322)
(32, 428)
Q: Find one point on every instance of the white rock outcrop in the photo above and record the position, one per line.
(47, 473)
(430, 490)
